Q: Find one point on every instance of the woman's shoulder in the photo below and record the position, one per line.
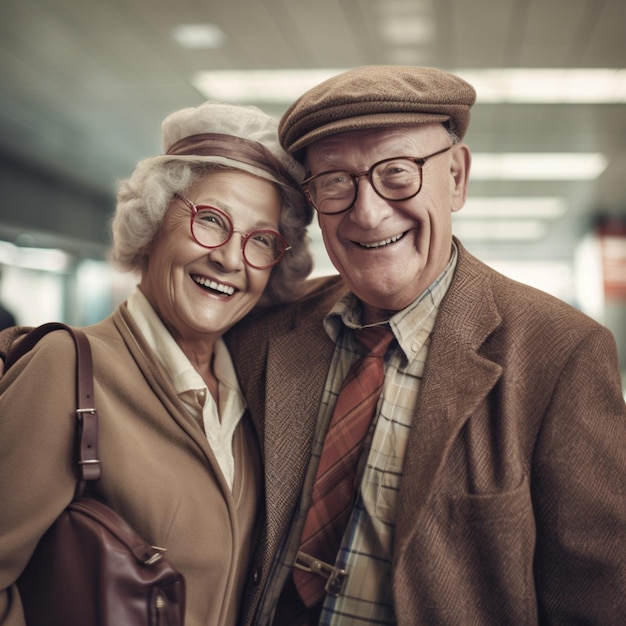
(48, 346)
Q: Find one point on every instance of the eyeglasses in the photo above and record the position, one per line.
(211, 228)
(397, 178)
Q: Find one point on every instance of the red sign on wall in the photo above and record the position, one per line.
(613, 246)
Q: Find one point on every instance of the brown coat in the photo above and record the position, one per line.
(158, 469)
(513, 501)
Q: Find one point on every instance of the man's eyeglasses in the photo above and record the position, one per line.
(211, 228)
(397, 178)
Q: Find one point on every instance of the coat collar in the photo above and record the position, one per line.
(297, 364)
(456, 380)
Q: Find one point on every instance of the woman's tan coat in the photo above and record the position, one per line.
(158, 469)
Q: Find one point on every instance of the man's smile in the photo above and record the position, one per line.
(381, 244)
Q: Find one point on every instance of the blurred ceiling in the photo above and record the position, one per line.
(85, 84)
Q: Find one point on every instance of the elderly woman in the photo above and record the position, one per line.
(214, 227)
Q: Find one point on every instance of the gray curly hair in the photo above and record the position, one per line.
(197, 140)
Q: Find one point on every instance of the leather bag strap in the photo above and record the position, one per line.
(87, 440)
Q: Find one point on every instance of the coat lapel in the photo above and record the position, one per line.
(297, 367)
(456, 380)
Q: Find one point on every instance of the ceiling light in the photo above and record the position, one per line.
(548, 86)
(509, 208)
(199, 36)
(505, 230)
(538, 166)
(44, 259)
(526, 86)
(403, 29)
(277, 86)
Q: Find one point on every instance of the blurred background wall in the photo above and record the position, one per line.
(85, 84)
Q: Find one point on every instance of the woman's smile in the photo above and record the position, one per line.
(212, 285)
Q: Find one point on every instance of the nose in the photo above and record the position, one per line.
(369, 209)
(229, 256)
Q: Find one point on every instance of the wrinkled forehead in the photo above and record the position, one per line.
(370, 145)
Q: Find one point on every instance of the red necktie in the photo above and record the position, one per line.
(334, 489)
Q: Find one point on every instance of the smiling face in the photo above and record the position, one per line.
(389, 252)
(200, 293)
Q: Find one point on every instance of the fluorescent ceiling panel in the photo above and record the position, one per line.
(548, 86)
(46, 259)
(502, 231)
(512, 208)
(527, 86)
(271, 86)
(538, 166)
(198, 36)
(407, 29)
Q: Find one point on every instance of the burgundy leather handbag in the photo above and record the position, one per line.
(91, 568)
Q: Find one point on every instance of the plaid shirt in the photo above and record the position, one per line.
(367, 545)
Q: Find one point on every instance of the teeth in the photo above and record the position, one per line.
(379, 244)
(211, 284)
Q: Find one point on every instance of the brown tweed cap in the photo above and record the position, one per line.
(377, 96)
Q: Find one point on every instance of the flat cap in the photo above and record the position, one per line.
(377, 96)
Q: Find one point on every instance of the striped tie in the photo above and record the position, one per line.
(334, 489)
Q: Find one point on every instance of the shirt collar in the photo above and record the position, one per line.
(219, 422)
(184, 376)
(411, 325)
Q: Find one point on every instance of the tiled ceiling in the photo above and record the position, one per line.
(84, 85)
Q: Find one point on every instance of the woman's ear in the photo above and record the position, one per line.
(460, 169)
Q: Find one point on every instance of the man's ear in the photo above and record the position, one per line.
(460, 169)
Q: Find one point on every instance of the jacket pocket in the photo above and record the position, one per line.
(494, 509)
(494, 539)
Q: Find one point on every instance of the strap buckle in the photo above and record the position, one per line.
(335, 576)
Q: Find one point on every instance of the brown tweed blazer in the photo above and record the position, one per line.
(513, 501)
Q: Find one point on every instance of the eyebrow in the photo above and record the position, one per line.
(260, 225)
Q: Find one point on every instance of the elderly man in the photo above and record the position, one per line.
(489, 486)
